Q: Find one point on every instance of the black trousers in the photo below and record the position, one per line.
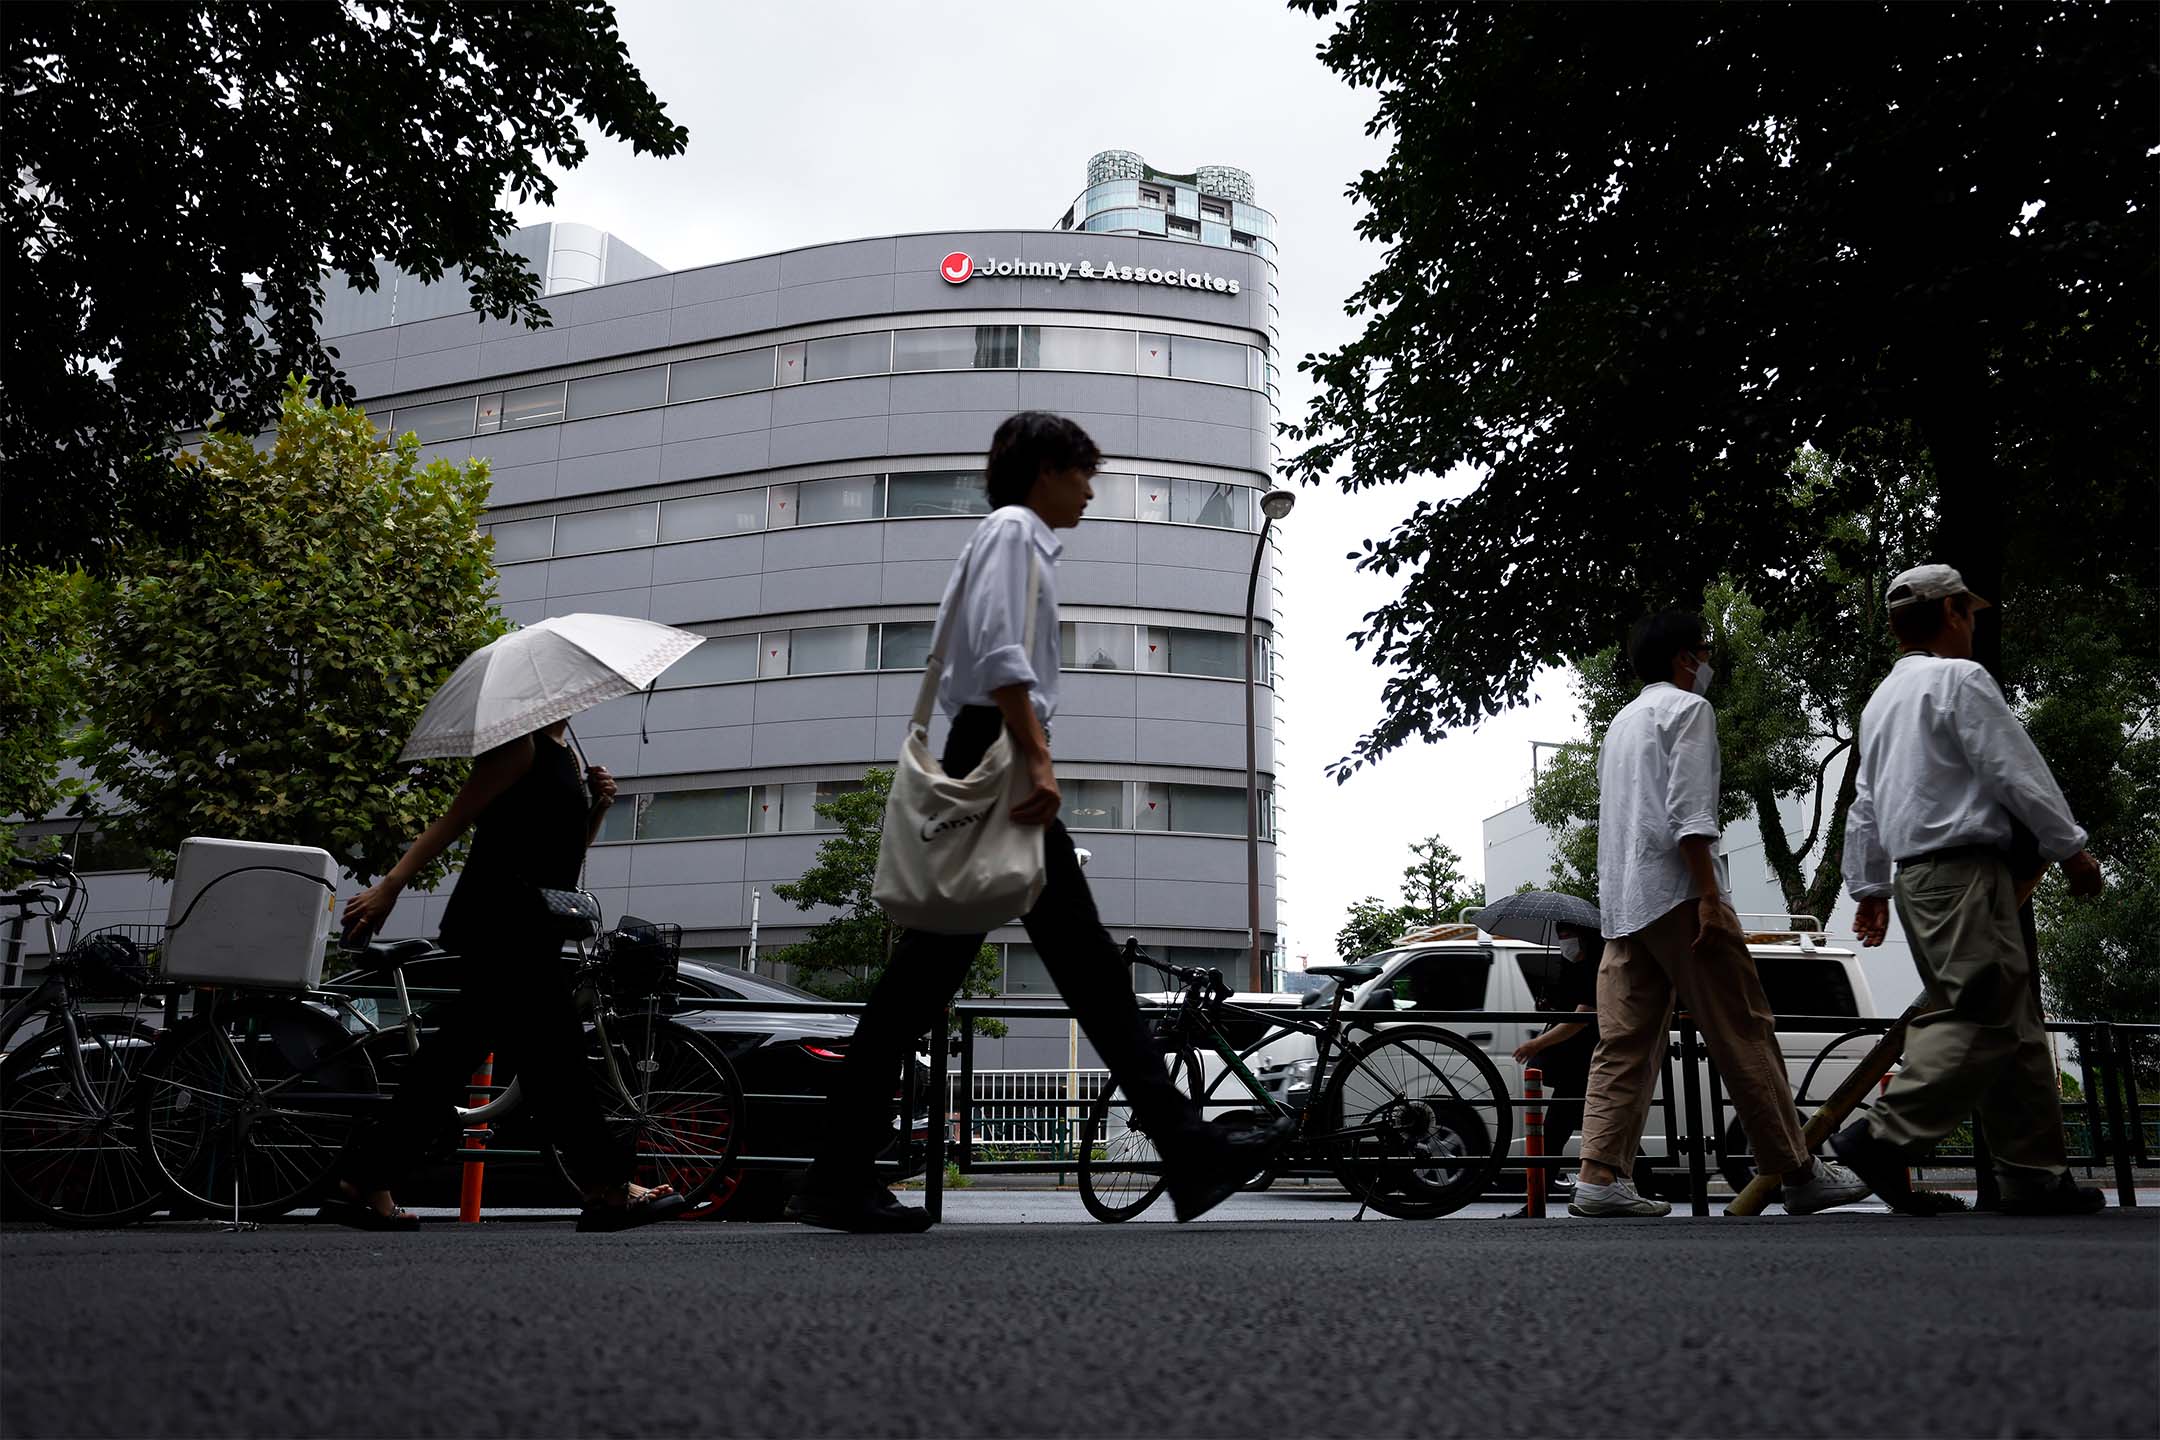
(515, 1002)
(925, 973)
(1566, 1078)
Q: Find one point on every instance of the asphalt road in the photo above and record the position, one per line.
(1849, 1324)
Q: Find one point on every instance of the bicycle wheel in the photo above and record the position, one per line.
(1121, 1172)
(70, 1158)
(1417, 1122)
(678, 1107)
(247, 1108)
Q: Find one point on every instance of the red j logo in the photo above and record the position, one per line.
(958, 267)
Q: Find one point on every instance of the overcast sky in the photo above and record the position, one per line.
(822, 120)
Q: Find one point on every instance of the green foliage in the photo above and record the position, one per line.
(1636, 258)
(41, 689)
(259, 684)
(1434, 893)
(842, 957)
(2100, 959)
(183, 173)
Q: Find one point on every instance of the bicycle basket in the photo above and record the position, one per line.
(116, 962)
(641, 957)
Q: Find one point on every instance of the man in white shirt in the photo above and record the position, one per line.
(1944, 767)
(1669, 926)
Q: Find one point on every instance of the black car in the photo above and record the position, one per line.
(784, 1059)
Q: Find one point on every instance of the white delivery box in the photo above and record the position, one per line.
(250, 914)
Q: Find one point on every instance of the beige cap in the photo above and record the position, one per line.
(1929, 582)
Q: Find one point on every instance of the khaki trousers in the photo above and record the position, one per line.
(1980, 1048)
(1635, 985)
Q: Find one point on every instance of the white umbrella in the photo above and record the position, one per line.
(546, 672)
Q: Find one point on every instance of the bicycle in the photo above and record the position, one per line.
(246, 1108)
(1413, 1120)
(68, 1149)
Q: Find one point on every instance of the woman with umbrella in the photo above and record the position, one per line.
(509, 705)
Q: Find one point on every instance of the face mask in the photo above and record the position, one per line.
(1571, 947)
(1704, 673)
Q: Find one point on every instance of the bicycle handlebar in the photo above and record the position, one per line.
(1210, 979)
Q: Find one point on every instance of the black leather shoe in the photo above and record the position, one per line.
(871, 1212)
(1882, 1165)
(2064, 1197)
(1220, 1160)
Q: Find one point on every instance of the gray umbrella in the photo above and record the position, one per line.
(1533, 914)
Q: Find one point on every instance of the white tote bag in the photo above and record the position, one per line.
(951, 860)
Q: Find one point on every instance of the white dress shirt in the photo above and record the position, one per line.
(984, 649)
(1657, 785)
(1943, 763)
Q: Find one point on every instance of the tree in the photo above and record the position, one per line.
(259, 684)
(2100, 960)
(842, 956)
(185, 172)
(1434, 890)
(41, 688)
(1636, 259)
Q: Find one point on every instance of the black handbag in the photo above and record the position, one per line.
(571, 914)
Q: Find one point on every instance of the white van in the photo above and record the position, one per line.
(1459, 967)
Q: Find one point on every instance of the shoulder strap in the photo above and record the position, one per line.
(934, 666)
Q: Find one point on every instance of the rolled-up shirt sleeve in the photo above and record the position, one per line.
(2010, 769)
(1691, 793)
(1867, 865)
(995, 607)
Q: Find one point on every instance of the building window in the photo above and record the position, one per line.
(1152, 498)
(1064, 347)
(827, 502)
(781, 507)
(1178, 225)
(1210, 502)
(385, 425)
(619, 824)
(620, 528)
(1086, 645)
(1215, 209)
(720, 659)
(1094, 804)
(449, 420)
(772, 658)
(1153, 356)
(790, 369)
(1025, 973)
(838, 356)
(700, 516)
(1113, 497)
(799, 802)
(491, 414)
(1214, 360)
(829, 649)
(534, 405)
(957, 347)
(612, 394)
(1153, 198)
(1201, 809)
(904, 645)
(517, 540)
(765, 810)
(688, 814)
(735, 374)
(937, 492)
(1214, 653)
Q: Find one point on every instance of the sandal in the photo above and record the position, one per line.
(656, 1204)
(355, 1215)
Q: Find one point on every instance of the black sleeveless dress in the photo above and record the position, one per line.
(532, 836)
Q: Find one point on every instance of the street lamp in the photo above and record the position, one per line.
(1273, 505)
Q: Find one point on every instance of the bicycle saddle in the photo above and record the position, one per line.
(392, 953)
(1356, 974)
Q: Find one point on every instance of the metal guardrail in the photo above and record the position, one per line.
(2108, 1102)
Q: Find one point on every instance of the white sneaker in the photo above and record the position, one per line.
(1829, 1184)
(1618, 1198)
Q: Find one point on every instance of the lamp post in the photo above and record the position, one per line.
(1273, 505)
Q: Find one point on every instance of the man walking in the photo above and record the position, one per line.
(1944, 767)
(1667, 927)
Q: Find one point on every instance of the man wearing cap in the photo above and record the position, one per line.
(1944, 768)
